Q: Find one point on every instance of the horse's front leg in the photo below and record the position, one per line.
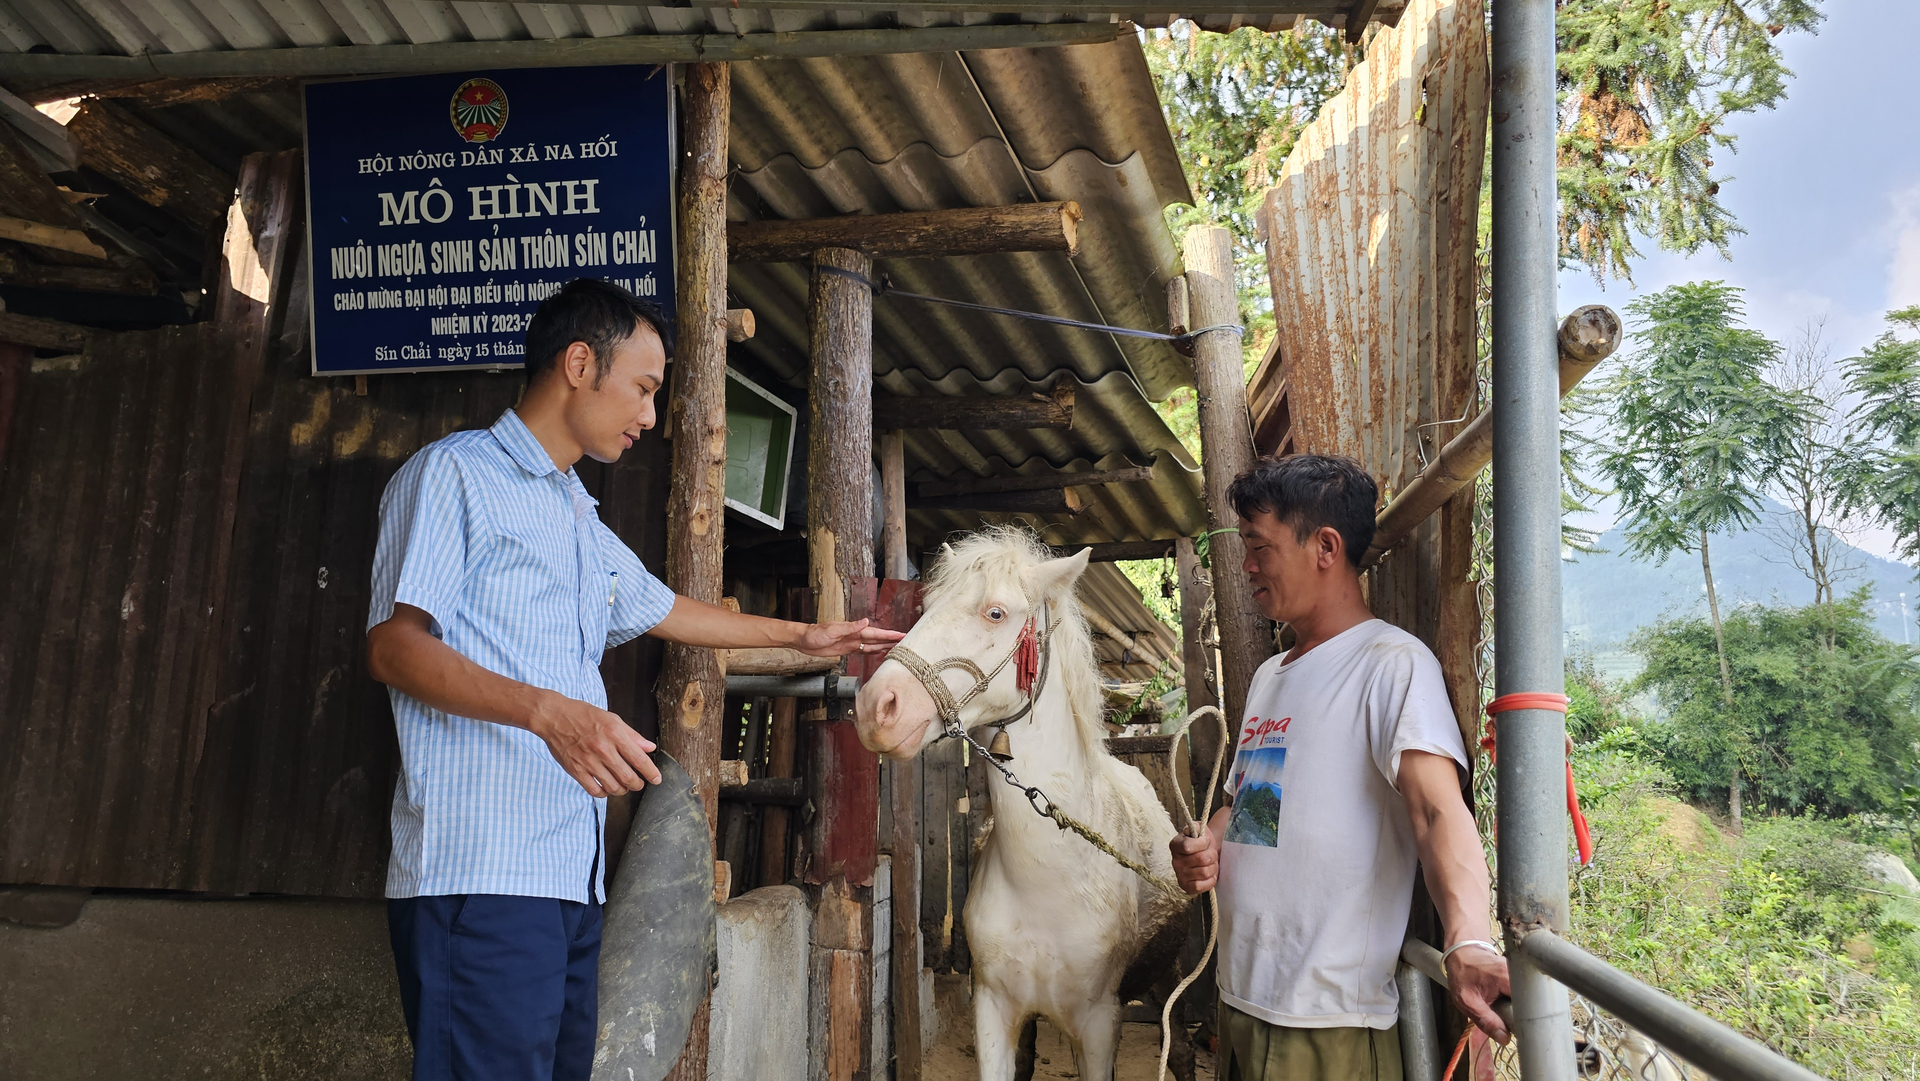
(996, 1031)
(1097, 1033)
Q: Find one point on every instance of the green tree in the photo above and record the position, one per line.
(1647, 88)
(1882, 478)
(1696, 433)
(1826, 702)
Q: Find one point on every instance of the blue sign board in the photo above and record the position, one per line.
(442, 209)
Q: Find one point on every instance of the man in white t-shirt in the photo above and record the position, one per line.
(1346, 777)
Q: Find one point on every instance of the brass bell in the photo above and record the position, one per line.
(1001, 748)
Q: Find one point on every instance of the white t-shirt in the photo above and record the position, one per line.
(1316, 876)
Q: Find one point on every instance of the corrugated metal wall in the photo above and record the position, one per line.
(1371, 248)
(115, 775)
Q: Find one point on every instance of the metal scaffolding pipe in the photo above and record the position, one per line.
(1419, 1036)
(827, 686)
(1713, 1047)
(1531, 812)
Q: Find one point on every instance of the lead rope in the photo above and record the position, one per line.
(1194, 828)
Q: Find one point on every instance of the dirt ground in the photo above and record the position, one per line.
(951, 1057)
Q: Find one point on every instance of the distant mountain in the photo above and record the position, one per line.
(1608, 596)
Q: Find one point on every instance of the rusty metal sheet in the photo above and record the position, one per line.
(1371, 231)
(110, 491)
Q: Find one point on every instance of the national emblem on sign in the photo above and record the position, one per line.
(479, 110)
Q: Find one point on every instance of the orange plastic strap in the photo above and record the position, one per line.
(1558, 702)
(1528, 700)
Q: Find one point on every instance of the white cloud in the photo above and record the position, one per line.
(1903, 273)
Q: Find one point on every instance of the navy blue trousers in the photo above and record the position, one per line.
(498, 988)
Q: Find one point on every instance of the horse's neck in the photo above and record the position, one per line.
(1048, 753)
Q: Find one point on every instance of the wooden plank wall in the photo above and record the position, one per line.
(1371, 232)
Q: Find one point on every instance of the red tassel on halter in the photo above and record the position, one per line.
(1026, 658)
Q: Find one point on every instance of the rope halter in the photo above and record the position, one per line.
(1029, 656)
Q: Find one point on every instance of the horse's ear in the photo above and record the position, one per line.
(1054, 579)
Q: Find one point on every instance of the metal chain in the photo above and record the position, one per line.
(1060, 818)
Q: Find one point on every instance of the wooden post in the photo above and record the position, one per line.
(1226, 443)
(782, 736)
(692, 685)
(893, 484)
(1196, 657)
(844, 840)
(905, 848)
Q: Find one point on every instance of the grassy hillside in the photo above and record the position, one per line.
(1781, 933)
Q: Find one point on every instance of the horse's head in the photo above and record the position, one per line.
(980, 598)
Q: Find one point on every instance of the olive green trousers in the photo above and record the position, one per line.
(1253, 1050)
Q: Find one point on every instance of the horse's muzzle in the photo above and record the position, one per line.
(893, 714)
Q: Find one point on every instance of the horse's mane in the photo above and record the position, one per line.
(999, 556)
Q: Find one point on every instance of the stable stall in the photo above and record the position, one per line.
(197, 423)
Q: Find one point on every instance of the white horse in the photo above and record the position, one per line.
(1057, 928)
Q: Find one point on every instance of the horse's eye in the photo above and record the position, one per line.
(996, 613)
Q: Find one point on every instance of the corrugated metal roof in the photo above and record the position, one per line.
(853, 135)
(1129, 642)
(104, 27)
(930, 131)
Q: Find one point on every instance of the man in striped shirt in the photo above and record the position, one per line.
(496, 588)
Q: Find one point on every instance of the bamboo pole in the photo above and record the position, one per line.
(1226, 443)
(692, 685)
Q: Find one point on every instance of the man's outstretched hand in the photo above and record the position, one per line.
(594, 746)
(840, 639)
(1476, 978)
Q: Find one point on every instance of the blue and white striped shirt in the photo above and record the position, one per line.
(509, 557)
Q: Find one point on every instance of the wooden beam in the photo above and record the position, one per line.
(326, 60)
(156, 93)
(893, 520)
(740, 324)
(1226, 444)
(1358, 16)
(1051, 410)
(43, 333)
(1040, 482)
(1116, 551)
(981, 230)
(49, 236)
(1052, 501)
(908, 1055)
(775, 661)
(135, 280)
(157, 170)
(26, 191)
(1588, 336)
(692, 687)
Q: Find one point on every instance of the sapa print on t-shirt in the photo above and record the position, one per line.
(1256, 783)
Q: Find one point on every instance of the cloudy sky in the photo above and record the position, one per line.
(1827, 188)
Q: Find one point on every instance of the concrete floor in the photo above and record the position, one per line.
(156, 987)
